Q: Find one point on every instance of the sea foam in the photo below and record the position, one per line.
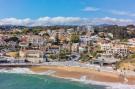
(107, 84)
(17, 70)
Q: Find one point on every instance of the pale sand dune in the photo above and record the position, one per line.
(77, 72)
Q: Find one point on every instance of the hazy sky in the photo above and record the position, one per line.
(102, 10)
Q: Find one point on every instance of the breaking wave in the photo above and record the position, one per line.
(82, 79)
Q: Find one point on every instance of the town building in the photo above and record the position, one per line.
(115, 49)
(34, 40)
(34, 56)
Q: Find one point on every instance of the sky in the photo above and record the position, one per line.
(53, 12)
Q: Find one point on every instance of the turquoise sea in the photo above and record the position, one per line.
(25, 81)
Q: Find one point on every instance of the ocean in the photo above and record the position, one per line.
(32, 81)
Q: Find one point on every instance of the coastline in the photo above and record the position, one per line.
(79, 74)
(83, 74)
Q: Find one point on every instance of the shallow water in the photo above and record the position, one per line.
(25, 81)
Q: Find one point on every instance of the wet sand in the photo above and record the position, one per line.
(78, 72)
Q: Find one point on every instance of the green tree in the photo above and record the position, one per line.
(14, 39)
(36, 31)
(25, 31)
(75, 38)
(53, 56)
(85, 57)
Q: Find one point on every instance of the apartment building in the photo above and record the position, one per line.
(117, 49)
(35, 40)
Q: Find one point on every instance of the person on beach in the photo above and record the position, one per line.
(123, 76)
(98, 70)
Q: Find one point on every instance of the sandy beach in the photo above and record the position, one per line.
(90, 74)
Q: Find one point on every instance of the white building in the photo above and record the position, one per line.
(34, 56)
(121, 50)
(105, 47)
(131, 42)
(117, 49)
(85, 39)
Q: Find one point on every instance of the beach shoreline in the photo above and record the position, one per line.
(83, 74)
(77, 74)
